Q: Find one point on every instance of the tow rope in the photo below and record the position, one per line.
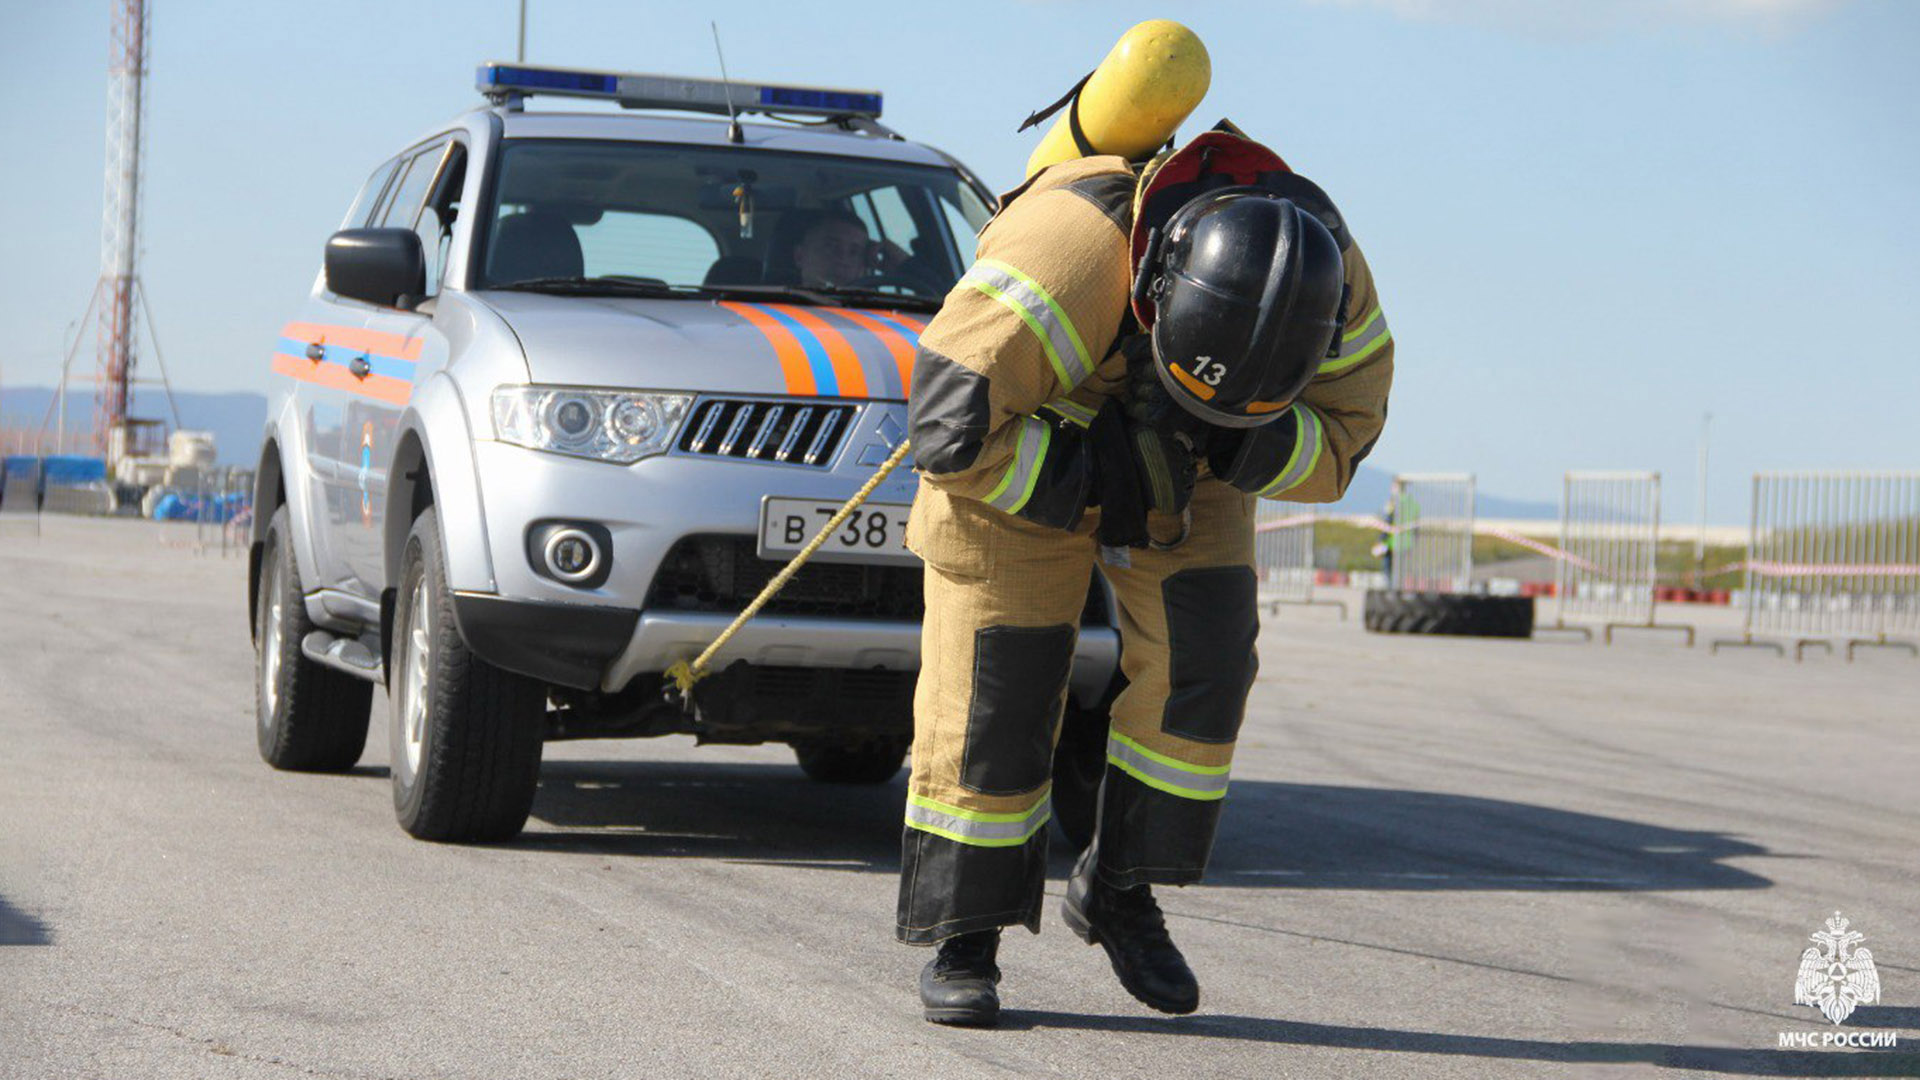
(683, 675)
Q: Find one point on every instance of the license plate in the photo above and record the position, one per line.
(873, 532)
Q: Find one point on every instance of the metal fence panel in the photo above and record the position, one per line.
(20, 496)
(1834, 557)
(1430, 548)
(1283, 552)
(1609, 538)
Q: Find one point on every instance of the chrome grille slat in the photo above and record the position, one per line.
(828, 424)
(800, 421)
(698, 444)
(766, 429)
(740, 418)
(786, 432)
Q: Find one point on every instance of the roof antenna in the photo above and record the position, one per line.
(734, 134)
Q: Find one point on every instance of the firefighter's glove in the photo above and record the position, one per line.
(1251, 459)
(1164, 433)
(1136, 468)
(1148, 402)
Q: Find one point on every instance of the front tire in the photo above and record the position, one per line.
(464, 735)
(307, 717)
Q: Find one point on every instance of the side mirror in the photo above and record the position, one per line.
(379, 266)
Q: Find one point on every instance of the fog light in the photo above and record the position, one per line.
(572, 555)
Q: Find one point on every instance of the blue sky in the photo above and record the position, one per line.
(1590, 222)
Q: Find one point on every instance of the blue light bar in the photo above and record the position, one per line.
(798, 98)
(496, 77)
(503, 82)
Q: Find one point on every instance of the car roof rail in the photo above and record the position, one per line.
(508, 85)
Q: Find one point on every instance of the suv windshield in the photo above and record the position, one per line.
(572, 213)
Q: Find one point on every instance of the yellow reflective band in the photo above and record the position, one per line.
(975, 827)
(1302, 462)
(1163, 773)
(1033, 474)
(1016, 484)
(1365, 325)
(1036, 308)
(1359, 343)
(1071, 411)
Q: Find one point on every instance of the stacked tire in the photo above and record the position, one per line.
(1394, 611)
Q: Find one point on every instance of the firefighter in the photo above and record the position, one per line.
(1068, 413)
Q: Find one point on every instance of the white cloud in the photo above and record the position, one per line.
(1589, 16)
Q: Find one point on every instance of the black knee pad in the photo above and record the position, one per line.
(1019, 688)
(1212, 622)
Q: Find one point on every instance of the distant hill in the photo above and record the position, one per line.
(236, 419)
(1368, 493)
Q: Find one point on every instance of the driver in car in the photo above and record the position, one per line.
(836, 250)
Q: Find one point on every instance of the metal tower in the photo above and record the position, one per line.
(120, 233)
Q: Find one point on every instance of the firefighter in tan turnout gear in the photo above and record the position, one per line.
(1131, 361)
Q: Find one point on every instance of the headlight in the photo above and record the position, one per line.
(607, 425)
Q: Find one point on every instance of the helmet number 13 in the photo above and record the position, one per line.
(1208, 370)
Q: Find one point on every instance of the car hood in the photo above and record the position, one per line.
(713, 346)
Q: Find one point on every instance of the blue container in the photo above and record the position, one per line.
(72, 470)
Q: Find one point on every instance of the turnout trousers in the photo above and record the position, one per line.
(1003, 603)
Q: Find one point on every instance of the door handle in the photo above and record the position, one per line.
(360, 367)
(316, 352)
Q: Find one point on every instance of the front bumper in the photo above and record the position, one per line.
(662, 638)
(605, 636)
(602, 648)
(562, 644)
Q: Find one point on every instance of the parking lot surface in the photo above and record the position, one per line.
(1439, 858)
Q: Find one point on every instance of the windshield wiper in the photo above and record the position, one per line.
(833, 295)
(792, 292)
(875, 297)
(819, 296)
(589, 286)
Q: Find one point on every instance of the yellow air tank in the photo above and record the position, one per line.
(1154, 77)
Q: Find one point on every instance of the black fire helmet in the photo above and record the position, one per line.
(1247, 291)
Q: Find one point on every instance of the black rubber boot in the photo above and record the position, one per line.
(1129, 925)
(960, 985)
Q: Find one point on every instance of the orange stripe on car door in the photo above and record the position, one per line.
(397, 346)
(334, 377)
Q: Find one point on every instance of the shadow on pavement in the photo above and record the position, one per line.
(1272, 835)
(19, 928)
(1904, 1017)
(1736, 1061)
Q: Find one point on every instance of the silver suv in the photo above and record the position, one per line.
(569, 390)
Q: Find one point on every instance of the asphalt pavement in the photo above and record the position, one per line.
(1440, 858)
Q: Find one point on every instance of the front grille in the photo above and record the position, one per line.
(724, 574)
(790, 432)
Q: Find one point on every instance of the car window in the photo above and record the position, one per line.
(411, 194)
(435, 223)
(885, 213)
(694, 215)
(646, 245)
(369, 197)
(378, 213)
(407, 208)
(965, 218)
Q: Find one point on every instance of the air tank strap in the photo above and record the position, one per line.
(1070, 98)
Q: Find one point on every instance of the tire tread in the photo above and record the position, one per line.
(325, 713)
(1392, 611)
(483, 753)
